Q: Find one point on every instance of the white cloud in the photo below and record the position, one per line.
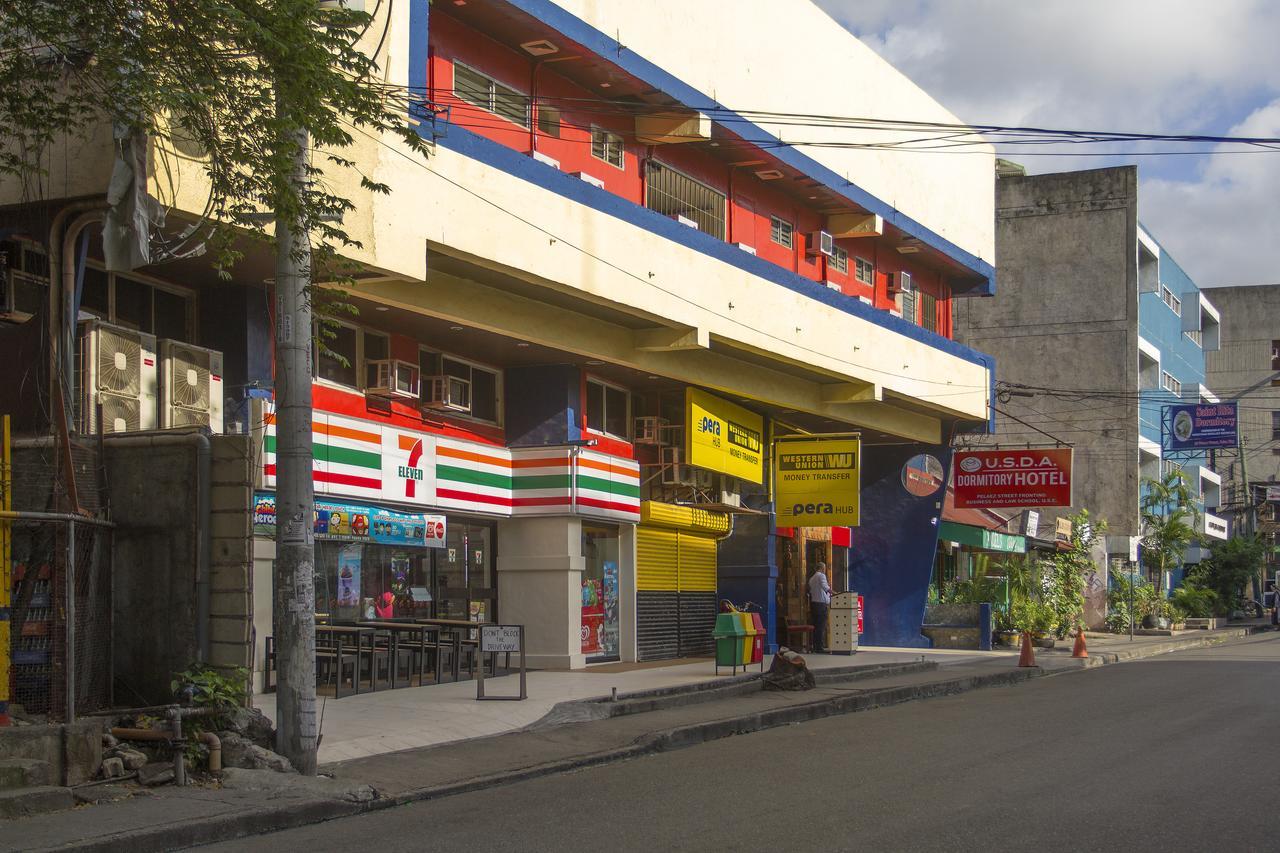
(1124, 65)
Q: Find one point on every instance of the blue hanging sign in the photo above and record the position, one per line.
(1202, 426)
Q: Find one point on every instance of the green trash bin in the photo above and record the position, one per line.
(732, 641)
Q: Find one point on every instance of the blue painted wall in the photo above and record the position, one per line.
(892, 552)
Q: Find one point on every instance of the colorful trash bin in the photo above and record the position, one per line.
(757, 640)
(732, 641)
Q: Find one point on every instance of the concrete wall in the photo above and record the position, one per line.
(540, 567)
(231, 587)
(1066, 317)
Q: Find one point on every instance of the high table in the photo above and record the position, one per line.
(418, 628)
(455, 627)
(338, 634)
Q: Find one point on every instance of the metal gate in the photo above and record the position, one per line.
(676, 600)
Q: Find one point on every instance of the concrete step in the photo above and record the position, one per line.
(18, 773)
(23, 802)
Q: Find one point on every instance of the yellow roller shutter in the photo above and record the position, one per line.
(697, 563)
(656, 559)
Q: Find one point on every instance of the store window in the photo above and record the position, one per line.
(377, 347)
(600, 633)
(338, 356)
(840, 260)
(608, 409)
(549, 120)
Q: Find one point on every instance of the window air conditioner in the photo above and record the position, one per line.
(16, 280)
(118, 374)
(394, 379)
(900, 281)
(191, 386)
(821, 243)
(446, 394)
(674, 471)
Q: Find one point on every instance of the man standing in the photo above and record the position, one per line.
(819, 602)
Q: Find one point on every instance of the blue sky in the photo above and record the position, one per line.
(1154, 66)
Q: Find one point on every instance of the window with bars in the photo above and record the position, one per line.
(487, 93)
(908, 305)
(928, 311)
(781, 232)
(864, 271)
(840, 259)
(673, 193)
(607, 146)
(1168, 298)
(1197, 337)
(1168, 383)
(1275, 426)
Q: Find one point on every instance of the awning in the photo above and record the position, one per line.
(977, 537)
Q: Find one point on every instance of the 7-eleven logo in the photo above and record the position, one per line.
(411, 473)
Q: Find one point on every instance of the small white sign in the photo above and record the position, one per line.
(500, 638)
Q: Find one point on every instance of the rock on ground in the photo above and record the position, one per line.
(155, 774)
(240, 752)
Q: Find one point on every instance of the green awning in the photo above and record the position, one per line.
(978, 537)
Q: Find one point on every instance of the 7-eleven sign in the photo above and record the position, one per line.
(409, 467)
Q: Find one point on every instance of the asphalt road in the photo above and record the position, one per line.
(1180, 752)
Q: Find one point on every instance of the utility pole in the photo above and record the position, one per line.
(294, 599)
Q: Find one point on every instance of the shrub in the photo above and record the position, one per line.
(1196, 601)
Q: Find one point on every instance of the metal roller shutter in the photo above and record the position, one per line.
(657, 599)
(698, 600)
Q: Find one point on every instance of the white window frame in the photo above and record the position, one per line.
(840, 259)
(1169, 298)
(474, 365)
(784, 227)
(1168, 382)
(611, 141)
(492, 105)
(861, 264)
(604, 419)
(357, 363)
(363, 373)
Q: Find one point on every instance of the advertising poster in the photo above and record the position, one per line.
(986, 479)
(359, 523)
(349, 575)
(817, 481)
(721, 436)
(1199, 427)
(592, 615)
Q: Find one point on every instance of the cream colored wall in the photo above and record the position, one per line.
(789, 56)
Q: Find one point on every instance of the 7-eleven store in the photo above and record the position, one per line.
(457, 528)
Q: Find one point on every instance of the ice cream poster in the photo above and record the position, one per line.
(349, 575)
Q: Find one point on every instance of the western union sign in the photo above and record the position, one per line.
(721, 436)
(816, 481)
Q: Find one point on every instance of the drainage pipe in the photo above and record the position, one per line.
(60, 244)
(204, 515)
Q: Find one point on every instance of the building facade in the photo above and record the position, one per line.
(1247, 369)
(1096, 329)
(608, 254)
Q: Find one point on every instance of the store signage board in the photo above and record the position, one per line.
(1273, 494)
(1199, 427)
(1062, 534)
(987, 479)
(817, 481)
(339, 520)
(722, 436)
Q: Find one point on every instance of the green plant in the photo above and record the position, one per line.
(1031, 615)
(1125, 593)
(978, 590)
(1230, 566)
(1169, 521)
(208, 688)
(1064, 572)
(1196, 602)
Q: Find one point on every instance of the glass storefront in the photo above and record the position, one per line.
(366, 580)
(600, 632)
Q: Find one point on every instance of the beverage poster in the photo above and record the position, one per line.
(349, 575)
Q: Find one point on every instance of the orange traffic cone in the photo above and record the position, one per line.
(1079, 650)
(1027, 657)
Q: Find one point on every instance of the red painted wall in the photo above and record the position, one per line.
(752, 201)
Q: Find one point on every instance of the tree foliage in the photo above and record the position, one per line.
(1230, 566)
(1169, 520)
(230, 80)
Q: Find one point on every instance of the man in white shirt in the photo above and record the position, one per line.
(819, 602)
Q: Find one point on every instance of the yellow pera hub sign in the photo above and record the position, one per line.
(816, 481)
(724, 437)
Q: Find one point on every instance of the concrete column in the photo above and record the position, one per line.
(627, 592)
(540, 567)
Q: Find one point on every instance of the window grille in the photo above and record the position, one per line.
(672, 193)
(486, 93)
(840, 260)
(781, 232)
(608, 147)
(864, 271)
(549, 120)
(1168, 383)
(929, 311)
(909, 305)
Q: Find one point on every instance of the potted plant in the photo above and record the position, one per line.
(1033, 618)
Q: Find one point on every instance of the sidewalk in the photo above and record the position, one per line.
(250, 802)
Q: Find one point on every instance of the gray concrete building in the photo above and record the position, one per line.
(1248, 365)
(1095, 329)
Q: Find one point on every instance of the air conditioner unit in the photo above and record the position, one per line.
(684, 220)
(544, 158)
(900, 281)
(15, 280)
(446, 394)
(747, 247)
(674, 471)
(648, 430)
(589, 179)
(704, 479)
(118, 374)
(821, 243)
(394, 379)
(190, 387)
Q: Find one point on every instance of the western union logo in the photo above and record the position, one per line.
(744, 437)
(816, 461)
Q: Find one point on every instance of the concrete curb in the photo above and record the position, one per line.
(298, 813)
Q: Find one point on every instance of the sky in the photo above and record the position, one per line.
(1150, 66)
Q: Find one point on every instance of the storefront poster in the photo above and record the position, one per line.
(1199, 427)
(1012, 478)
(817, 481)
(349, 575)
(721, 436)
(592, 615)
(359, 523)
